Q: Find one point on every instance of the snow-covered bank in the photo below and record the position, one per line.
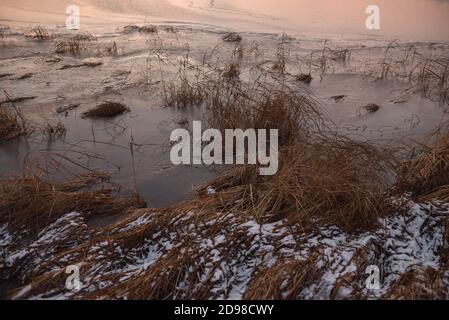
(242, 259)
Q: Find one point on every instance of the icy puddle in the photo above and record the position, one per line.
(105, 145)
(402, 117)
(134, 148)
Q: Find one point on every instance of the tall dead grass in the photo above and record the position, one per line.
(38, 33)
(12, 124)
(427, 175)
(31, 202)
(323, 177)
(73, 46)
(339, 182)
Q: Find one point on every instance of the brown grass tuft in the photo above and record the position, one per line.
(184, 95)
(73, 47)
(12, 124)
(304, 77)
(111, 48)
(428, 174)
(339, 182)
(145, 29)
(372, 107)
(38, 33)
(148, 29)
(90, 64)
(232, 37)
(283, 281)
(232, 72)
(54, 130)
(31, 203)
(418, 283)
(106, 110)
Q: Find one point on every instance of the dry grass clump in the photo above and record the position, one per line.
(427, 76)
(3, 30)
(239, 51)
(264, 107)
(168, 271)
(111, 48)
(322, 178)
(282, 55)
(372, 107)
(73, 47)
(170, 29)
(444, 253)
(38, 33)
(54, 130)
(427, 175)
(148, 29)
(338, 98)
(107, 109)
(145, 29)
(304, 77)
(340, 55)
(90, 64)
(338, 181)
(326, 58)
(130, 28)
(232, 37)
(184, 95)
(231, 72)
(263, 104)
(66, 108)
(30, 203)
(84, 37)
(432, 79)
(283, 281)
(182, 121)
(12, 124)
(418, 283)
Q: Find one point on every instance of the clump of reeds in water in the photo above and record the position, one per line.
(12, 123)
(232, 37)
(106, 110)
(31, 202)
(372, 107)
(231, 72)
(304, 77)
(73, 47)
(54, 130)
(148, 28)
(427, 175)
(111, 48)
(38, 33)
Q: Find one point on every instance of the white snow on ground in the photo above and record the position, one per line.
(67, 231)
(5, 242)
(227, 262)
